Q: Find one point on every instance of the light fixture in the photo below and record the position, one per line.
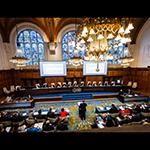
(104, 37)
(77, 60)
(52, 46)
(19, 60)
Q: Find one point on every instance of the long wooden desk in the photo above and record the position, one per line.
(42, 91)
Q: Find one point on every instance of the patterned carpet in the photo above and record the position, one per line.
(74, 120)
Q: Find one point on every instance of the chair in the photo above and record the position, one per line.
(64, 84)
(45, 85)
(129, 83)
(106, 83)
(134, 85)
(69, 84)
(12, 88)
(82, 84)
(89, 83)
(100, 83)
(113, 83)
(5, 90)
(52, 85)
(37, 85)
(59, 85)
(94, 84)
(75, 84)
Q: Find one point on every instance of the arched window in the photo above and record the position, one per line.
(70, 44)
(32, 45)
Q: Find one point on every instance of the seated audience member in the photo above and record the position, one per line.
(14, 128)
(113, 109)
(2, 129)
(62, 125)
(121, 92)
(51, 113)
(64, 84)
(59, 85)
(110, 121)
(145, 107)
(63, 114)
(30, 121)
(94, 84)
(98, 122)
(48, 126)
(22, 128)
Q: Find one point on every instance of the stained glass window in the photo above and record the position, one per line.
(32, 45)
(70, 44)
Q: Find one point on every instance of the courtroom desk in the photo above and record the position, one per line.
(17, 104)
(42, 91)
(138, 98)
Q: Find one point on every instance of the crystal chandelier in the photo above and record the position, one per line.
(77, 60)
(19, 60)
(104, 37)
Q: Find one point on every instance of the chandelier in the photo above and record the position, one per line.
(19, 60)
(105, 37)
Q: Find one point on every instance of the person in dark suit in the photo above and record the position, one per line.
(82, 110)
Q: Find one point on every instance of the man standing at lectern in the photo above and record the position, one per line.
(82, 110)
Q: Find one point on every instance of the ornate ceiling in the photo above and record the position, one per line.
(52, 26)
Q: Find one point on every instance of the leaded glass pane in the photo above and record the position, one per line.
(32, 45)
(69, 44)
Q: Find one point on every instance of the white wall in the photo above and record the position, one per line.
(141, 50)
(4, 63)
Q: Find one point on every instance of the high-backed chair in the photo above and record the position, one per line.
(52, 85)
(113, 83)
(129, 83)
(89, 83)
(75, 84)
(18, 87)
(64, 84)
(106, 83)
(69, 84)
(45, 85)
(82, 84)
(59, 85)
(12, 88)
(94, 84)
(6, 91)
(37, 85)
(100, 83)
(134, 85)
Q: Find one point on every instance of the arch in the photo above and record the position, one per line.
(61, 33)
(21, 27)
(142, 48)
